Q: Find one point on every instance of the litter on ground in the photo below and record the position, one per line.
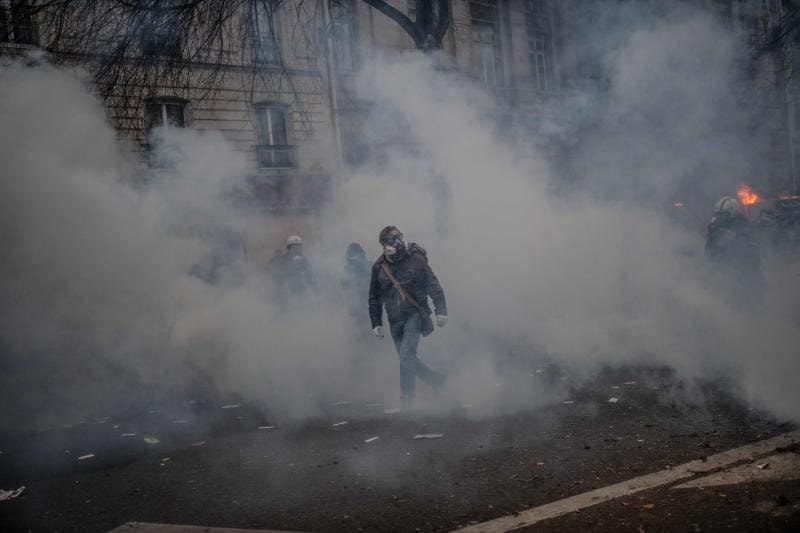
(266, 427)
(568, 401)
(11, 494)
(340, 423)
(87, 456)
(629, 383)
(198, 443)
(231, 406)
(151, 440)
(371, 439)
(128, 435)
(613, 400)
(429, 436)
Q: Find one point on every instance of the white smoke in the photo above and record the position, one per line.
(95, 274)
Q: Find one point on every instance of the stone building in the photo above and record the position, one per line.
(284, 98)
(770, 30)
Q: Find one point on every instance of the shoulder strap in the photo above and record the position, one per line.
(403, 294)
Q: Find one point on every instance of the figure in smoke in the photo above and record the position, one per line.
(355, 281)
(732, 245)
(402, 281)
(293, 275)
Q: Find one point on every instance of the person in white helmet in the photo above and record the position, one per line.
(293, 272)
(732, 245)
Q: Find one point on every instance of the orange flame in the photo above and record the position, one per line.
(746, 194)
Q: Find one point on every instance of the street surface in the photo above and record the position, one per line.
(212, 466)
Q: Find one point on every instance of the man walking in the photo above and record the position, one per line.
(402, 281)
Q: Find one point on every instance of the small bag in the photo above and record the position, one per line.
(426, 323)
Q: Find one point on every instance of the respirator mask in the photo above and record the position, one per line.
(394, 247)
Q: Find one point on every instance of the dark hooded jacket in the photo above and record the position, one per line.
(355, 280)
(417, 279)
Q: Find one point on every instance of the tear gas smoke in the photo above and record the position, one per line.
(99, 307)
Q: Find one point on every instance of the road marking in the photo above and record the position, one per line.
(632, 486)
(778, 467)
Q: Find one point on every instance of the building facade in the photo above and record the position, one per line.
(278, 81)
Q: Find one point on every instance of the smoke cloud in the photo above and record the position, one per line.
(101, 309)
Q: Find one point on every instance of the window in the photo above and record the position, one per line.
(264, 30)
(537, 25)
(166, 114)
(344, 32)
(486, 63)
(16, 22)
(273, 150)
(161, 35)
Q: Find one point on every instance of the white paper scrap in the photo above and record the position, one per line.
(371, 439)
(429, 436)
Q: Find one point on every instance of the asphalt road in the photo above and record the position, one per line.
(213, 466)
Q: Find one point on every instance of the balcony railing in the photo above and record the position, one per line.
(276, 156)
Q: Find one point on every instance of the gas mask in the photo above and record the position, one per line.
(394, 247)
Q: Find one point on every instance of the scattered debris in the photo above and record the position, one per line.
(649, 506)
(568, 401)
(200, 443)
(116, 427)
(128, 435)
(539, 370)
(371, 439)
(762, 466)
(343, 422)
(266, 427)
(539, 464)
(629, 383)
(613, 400)
(429, 436)
(87, 456)
(151, 440)
(231, 406)
(180, 421)
(639, 440)
(11, 494)
(392, 411)
(164, 460)
(615, 386)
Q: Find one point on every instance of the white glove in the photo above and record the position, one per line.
(441, 320)
(378, 332)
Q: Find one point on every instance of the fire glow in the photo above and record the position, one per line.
(746, 194)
